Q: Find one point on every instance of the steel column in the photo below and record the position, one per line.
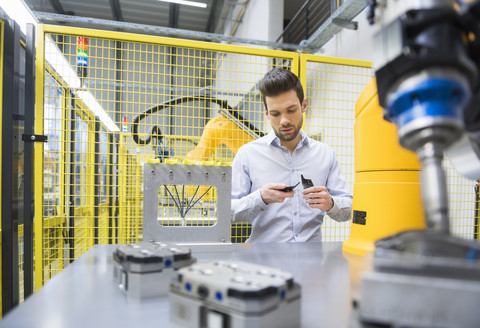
(11, 74)
(28, 162)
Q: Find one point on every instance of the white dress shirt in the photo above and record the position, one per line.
(264, 161)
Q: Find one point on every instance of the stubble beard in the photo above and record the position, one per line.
(290, 136)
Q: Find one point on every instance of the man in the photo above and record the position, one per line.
(263, 167)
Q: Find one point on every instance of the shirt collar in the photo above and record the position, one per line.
(272, 138)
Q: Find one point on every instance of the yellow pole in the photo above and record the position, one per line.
(38, 157)
(91, 184)
(121, 191)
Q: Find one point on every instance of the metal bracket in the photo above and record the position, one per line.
(159, 175)
(34, 138)
(345, 23)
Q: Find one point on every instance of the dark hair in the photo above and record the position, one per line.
(278, 81)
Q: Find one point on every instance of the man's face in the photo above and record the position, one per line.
(285, 113)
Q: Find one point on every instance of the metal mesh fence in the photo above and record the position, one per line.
(462, 202)
(113, 102)
(332, 89)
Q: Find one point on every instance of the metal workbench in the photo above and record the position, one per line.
(84, 294)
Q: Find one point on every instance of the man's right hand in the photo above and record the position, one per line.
(271, 193)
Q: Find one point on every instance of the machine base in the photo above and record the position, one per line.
(193, 313)
(398, 300)
(421, 279)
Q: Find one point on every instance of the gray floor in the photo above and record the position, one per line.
(84, 295)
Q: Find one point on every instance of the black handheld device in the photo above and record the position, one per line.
(307, 183)
(289, 188)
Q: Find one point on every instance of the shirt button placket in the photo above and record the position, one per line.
(295, 212)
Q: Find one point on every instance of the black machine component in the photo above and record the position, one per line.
(427, 38)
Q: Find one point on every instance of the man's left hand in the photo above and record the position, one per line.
(318, 197)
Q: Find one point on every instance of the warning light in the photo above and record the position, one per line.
(82, 56)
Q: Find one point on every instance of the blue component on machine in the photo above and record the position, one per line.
(163, 152)
(434, 97)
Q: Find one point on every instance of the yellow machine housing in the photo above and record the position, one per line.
(386, 193)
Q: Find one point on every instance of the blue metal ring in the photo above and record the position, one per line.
(429, 98)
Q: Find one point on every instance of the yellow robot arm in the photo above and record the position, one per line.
(219, 130)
